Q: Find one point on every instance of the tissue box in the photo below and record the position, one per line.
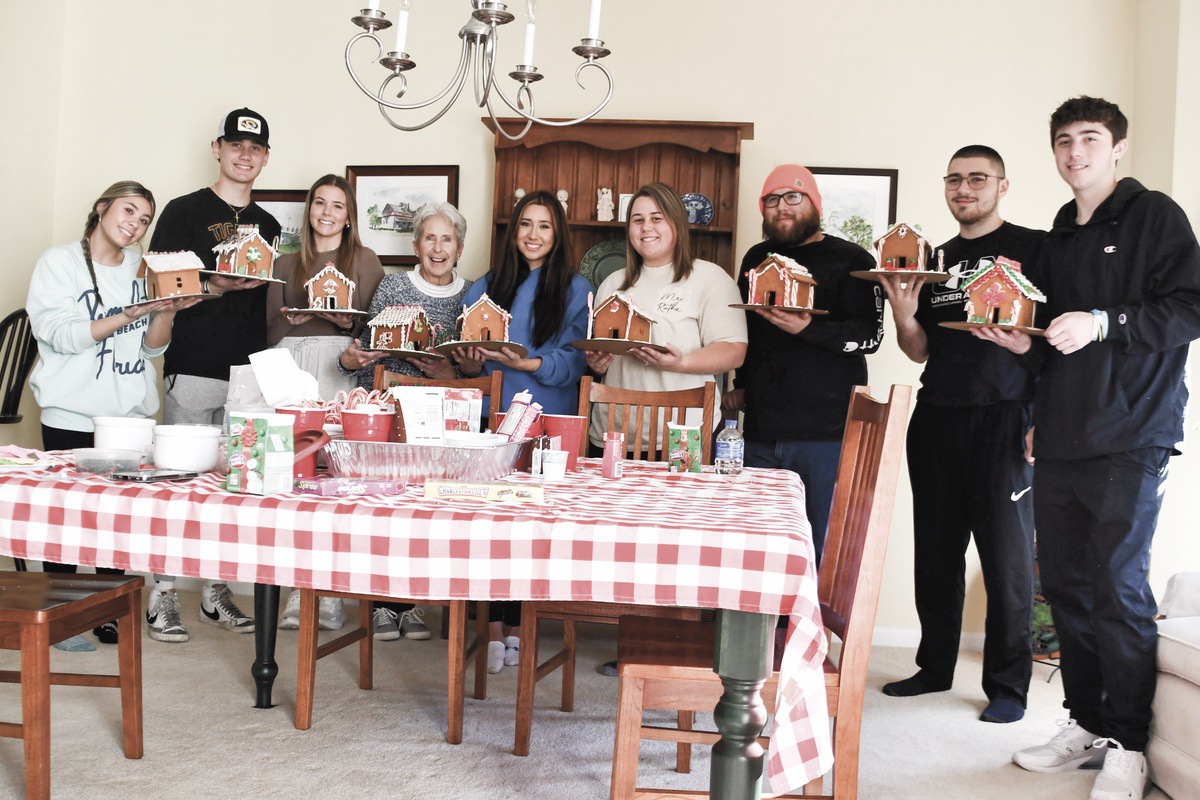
(259, 453)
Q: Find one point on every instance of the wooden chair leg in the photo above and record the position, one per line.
(306, 659)
(568, 667)
(456, 679)
(625, 748)
(366, 646)
(481, 646)
(35, 709)
(526, 679)
(683, 750)
(847, 728)
(129, 668)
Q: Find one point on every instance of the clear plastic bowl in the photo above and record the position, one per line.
(105, 462)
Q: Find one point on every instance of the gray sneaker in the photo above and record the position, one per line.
(290, 620)
(1070, 748)
(217, 607)
(162, 615)
(331, 614)
(412, 626)
(386, 624)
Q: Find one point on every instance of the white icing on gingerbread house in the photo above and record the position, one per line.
(780, 281)
(172, 274)
(401, 328)
(483, 321)
(999, 293)
(247, 253)
(902, 248)
(330, 290)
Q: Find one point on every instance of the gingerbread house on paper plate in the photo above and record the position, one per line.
(401, 328)
(483, 321)
(781, 281)
(998, 293)
(902, 248)
(618, 318)
(171, 274)
(330, 290)
(247, 253)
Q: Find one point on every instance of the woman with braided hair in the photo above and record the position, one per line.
(94, 345)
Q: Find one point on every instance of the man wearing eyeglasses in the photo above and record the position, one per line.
(965, 451)
(795, 383)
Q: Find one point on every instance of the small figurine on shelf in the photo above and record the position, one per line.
(561, 195)
(517, 195)
(604, 205)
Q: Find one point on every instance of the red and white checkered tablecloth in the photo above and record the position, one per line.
(651, 537)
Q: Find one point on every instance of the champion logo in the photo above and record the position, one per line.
(1112, 248)
(1018, 495)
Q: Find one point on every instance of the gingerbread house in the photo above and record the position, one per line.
(401, 328)
(781, 281)
(330, 290)
(618, 318)
(998, 293)
(483, 321)
(247, 253)
(902, 248)
(171, 274)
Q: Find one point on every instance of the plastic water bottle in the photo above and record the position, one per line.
(731, 449)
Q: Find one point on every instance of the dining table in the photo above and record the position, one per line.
(738, 544)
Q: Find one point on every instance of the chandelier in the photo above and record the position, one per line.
(479, 39)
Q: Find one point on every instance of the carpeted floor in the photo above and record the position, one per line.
(204, 738)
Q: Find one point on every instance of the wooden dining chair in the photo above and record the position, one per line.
(666, 664)
(39, 609)
(628, 410)
(492, 386)
(458, 658)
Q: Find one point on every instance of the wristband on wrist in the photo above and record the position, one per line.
(1099, 325)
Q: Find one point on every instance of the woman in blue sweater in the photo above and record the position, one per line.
(538, 283)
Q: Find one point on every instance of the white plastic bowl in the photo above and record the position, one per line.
(124, 433)
(186, 447)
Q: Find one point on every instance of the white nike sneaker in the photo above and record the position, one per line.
(1071, 748)
(1123, 777)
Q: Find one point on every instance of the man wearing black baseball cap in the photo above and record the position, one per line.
(220, 333)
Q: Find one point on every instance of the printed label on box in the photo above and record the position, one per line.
(260, 454)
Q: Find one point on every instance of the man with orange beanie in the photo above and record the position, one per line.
(800, 368)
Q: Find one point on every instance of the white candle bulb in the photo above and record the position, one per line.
(594, 21)
(527, 57)
(402, 26)
(373, 5)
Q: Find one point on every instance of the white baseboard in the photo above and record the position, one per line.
(911, 637)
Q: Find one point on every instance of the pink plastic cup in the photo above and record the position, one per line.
(366, 425)
(571, 430)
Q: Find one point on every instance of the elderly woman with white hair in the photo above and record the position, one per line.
(438, 233)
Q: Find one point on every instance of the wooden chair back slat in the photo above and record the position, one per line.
(635, 410)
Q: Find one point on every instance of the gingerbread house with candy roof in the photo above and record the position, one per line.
(618, 318)
(330, 290)
(902, 248)
(174, 274)
(998, 293)
(247, 253)
(483, 321)
(780, 281)
(401, 328)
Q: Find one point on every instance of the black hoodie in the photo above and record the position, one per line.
(1136, 259)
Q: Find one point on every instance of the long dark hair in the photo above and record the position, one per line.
(348, 250)
(116, 191)
(668, 202)
(554, 282)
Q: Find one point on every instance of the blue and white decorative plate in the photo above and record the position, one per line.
(699, 208)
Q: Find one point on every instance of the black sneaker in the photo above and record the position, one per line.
(106, 633)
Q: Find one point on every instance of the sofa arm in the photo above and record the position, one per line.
(1182, 598)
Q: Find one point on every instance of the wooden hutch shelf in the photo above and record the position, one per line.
(624, 155)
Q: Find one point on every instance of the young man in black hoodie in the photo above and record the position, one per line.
(1121, 273)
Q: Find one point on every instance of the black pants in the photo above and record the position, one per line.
(969, 476)
(62, 439)
(1096, 518)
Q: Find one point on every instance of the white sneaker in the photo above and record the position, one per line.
(1123, 776)
(290, 620)
(495, 657)
(331, 613)
(217, 607)
(512, 651)
(162, 617)
(1070, 748)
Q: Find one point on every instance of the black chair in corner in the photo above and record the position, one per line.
(18, 350)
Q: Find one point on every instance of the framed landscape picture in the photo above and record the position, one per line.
(387, 199)
(858, 205)
(287, 206)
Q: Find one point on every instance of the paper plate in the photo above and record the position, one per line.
(320, 311)
(201, 295)
(699, 208)
(966, 326)
(616, 347)
(930, 275)
(449, 347)
(752, 306)
(242, 277)
(603, 260)
(407, 353)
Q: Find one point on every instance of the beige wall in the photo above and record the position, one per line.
(133, 89)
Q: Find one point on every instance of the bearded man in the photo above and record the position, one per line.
(965, 451)
(800, 368)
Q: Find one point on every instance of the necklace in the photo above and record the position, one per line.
(235, 209)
